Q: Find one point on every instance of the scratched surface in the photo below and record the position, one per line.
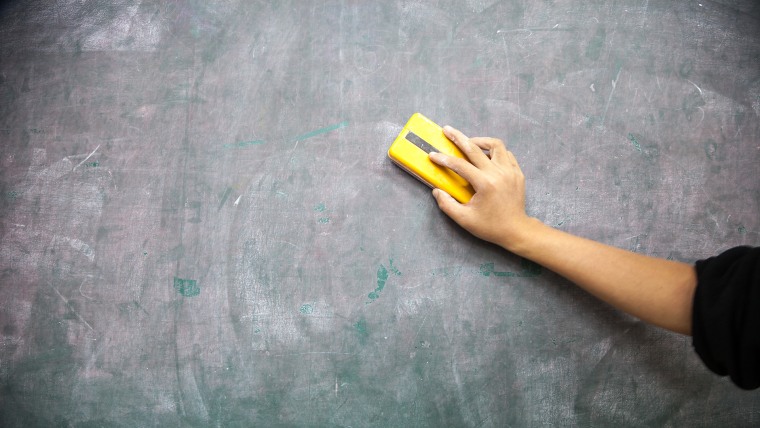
(199, 226)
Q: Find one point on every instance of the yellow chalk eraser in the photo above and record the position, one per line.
(410, 149)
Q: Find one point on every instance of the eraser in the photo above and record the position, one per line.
(410, 149)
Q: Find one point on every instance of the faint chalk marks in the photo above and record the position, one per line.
(172, 255)
(259, 46)
(195, 210)
(319, 131)
(130, 29)
(25, 85)
(595, 45)
(181, 94)
(81, 293)
(71, 308)
(224, 198)
(419, 327)
(146, 111)
(612, 91)
(695, 85)
(85, 159)
(131, 308)
(531, 30)
(753, 95)
(711, 149)
(529, 80)
(190, 399)
(242, 144)
(478, 6)
(685, 69)
(78, 245)
(311, 353)
(693, 102)
(39, 171)
(361, 329)
(296, 139)
(636, 245)
(369, 59)
(289, 243)
(513, 109)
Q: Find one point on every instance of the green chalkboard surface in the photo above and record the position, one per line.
(199, 225)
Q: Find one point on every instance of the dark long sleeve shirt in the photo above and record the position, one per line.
(726, 315)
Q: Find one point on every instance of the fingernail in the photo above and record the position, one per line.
(447, 128)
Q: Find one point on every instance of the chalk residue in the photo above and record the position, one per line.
(77, 245)
(130, 30)
(88, 156)
(320, 131)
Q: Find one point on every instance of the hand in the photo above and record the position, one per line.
(655, 290)
(496, 213)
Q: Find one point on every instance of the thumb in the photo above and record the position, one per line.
(447, 204)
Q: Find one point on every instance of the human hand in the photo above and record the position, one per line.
(496, 213)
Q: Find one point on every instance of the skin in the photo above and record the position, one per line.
(654, 290)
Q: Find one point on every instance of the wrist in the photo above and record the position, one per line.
(523, 237)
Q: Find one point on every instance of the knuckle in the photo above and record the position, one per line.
(490, 183)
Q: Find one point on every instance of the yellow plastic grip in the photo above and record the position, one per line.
(410, 151)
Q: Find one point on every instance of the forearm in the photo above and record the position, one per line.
(655, 290)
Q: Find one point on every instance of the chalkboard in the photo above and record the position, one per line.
(200, 226)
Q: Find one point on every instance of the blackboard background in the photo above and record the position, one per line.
(199, 226)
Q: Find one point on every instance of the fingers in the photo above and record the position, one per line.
(496, 149)
(448, 204)
(476, 171)
(467, 170)
(513, 161)
(473, 152)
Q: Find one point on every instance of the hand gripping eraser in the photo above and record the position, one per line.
(410, 149)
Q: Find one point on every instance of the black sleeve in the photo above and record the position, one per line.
(726, 315)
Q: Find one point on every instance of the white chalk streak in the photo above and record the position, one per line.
(313, 353)
(614, 86)
(70, 307)
(80, 291)
(695, 85)
(85, 159)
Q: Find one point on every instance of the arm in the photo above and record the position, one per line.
(655, 290)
